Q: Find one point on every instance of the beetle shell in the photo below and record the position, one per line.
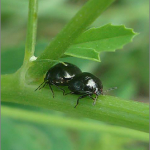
(61, 74)
(86, 83)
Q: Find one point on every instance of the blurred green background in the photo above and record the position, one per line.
(128, 69)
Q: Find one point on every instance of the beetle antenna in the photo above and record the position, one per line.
(39, 87)
(114, 88)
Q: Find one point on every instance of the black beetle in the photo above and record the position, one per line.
(60, 75)
(85, 84)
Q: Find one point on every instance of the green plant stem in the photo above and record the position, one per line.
(76, 124)
(31, 30)
(108, 109)
(88, 13)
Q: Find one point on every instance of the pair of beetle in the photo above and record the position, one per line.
(84, 84)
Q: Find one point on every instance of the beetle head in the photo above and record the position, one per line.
(99, 91)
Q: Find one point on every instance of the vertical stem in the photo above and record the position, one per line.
(31, 30)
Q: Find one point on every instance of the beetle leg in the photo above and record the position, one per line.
(95, 99)
(69, 93)
(91, 97)
(51, 90)
(42, 86)
(39, 87)
(60, 89)
(79, 99)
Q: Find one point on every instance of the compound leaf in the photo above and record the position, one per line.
(96, 40)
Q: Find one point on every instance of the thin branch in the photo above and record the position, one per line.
(31, 30)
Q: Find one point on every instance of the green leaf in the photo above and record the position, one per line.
(86, 53)
(96, 40)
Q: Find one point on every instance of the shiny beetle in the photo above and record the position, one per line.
(60, 75)
(85, 84)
